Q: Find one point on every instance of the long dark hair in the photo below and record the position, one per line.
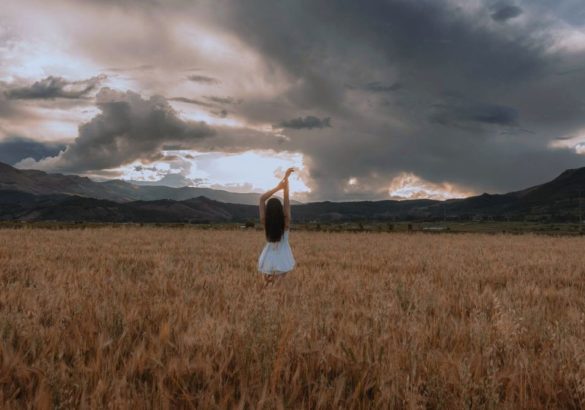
(274, 220)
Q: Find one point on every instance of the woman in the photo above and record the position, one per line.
(276, 258)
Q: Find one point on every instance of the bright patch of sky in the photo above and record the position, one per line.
(574, 141)
(409, 186)
(250, 171)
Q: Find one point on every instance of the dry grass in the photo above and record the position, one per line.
(162, 318)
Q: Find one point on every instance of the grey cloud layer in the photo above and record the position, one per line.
(505, 13)
(15, 149)
(54, 87)
(466, 92)
(223, 100)
(203, 79)
(457, 112)
(376, 87)
(6, 107)
(215, 104)
(128, 128)
(309, 122)
(412, 58)
(192, 101)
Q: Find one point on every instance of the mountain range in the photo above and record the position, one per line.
(41, 183)
(35, 195)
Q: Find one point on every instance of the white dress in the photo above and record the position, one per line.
(276, 257)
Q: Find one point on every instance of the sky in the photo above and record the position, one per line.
(367, 100)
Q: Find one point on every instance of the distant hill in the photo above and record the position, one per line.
(557, 200)
(69, 198)
(15, 205)
(42, 183)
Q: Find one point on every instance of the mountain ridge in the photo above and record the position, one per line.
(42, 183)
(557, 200)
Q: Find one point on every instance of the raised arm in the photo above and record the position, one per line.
(264, 197)
(286, 205)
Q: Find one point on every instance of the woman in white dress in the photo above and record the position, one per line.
(276, 258)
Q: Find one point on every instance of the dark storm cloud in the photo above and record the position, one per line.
(505, 13)
(571, 71)
(569, 11)
(220, 113)
(504, 77)
(216, 103)
(14, 149)
(13, 110)
(203, 79)
(128, 128)
(377, 87)
(460, 112)
(415, 38)
(192, 101)
(223, 100)
(54, 87)
(309, 122)
(6, 107)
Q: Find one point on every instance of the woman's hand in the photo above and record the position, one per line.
(288, 172)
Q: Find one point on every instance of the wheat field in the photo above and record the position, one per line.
(134, 317)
